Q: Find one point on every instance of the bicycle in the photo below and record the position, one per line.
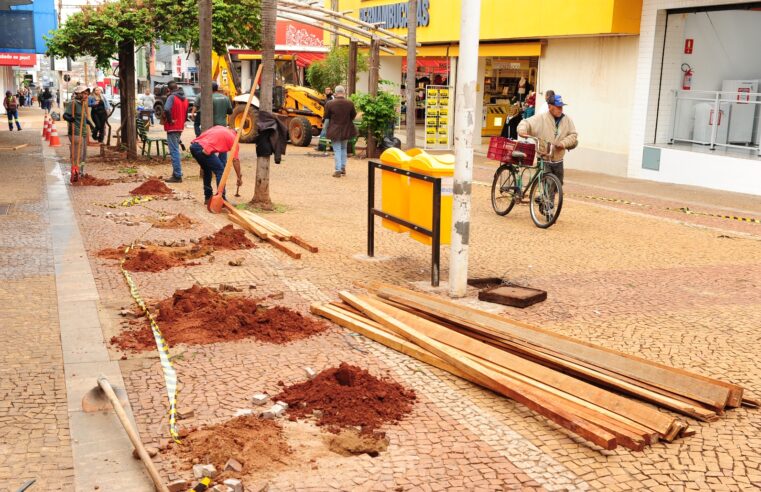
(545, 192)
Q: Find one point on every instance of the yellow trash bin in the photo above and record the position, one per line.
(421, 196)
(395, 189)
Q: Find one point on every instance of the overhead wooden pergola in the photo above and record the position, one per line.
(358, 32)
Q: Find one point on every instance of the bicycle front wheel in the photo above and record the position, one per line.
(546, 200)
(503, 190)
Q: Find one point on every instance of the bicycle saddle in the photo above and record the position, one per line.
(517, 154)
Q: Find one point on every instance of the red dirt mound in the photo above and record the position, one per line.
(200, 315)
(179, 221)
(348, 396)
(90, 180)
(152, 187)
(258, 445)
(228, 238)
(150, 261)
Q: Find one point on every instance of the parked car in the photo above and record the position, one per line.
(161, 92)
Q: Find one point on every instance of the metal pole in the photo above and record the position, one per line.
(204, 26)
(370, 207)
(464, 129)
(436, 233)
(411, 66)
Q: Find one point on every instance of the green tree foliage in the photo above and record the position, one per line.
(334, 69)
(378, 113)
(97, 30)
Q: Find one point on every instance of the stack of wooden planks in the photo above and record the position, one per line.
(575, 384)
(269, 232)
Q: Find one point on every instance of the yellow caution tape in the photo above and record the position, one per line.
(170, 375)
(682, 209)
(129, 202)
(720, 216)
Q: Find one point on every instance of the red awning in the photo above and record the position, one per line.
(303, 58)
(433, 65)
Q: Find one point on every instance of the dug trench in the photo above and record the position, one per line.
(202, 315)
(339, 413)
(149, 257)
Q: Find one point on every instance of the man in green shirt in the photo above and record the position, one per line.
(75, 110)
(221, 106)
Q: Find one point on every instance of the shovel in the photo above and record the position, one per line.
(217, 202)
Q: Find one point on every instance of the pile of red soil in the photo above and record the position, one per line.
(228, 238)
(348, 396)
(258, 445)
(179, 221)
(90, 180)
(200, 315)
(152, 187)
(144, 260)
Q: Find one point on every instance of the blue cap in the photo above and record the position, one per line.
(558, 101)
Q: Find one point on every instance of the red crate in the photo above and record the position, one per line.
(501, 149)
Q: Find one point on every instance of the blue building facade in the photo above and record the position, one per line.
(22, 27)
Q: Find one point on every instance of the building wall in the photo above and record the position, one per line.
(647, 82)
(390, 69)
(594, 76)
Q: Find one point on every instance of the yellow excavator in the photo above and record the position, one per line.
(303, 107)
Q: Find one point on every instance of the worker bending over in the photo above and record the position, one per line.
(210, 149)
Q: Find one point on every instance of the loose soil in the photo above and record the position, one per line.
(201, 315)
(179, 221)
(228, 238)
(351, 442)
(348, 396)
(152, 187)
(259, 445)
(152, 258)
(90, 180)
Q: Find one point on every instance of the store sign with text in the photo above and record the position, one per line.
(394, 15)
(18, 60)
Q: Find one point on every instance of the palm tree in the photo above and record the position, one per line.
(269, 22)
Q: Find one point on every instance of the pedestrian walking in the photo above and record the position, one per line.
(221, 106)
(28, 96)
(553, 127)
(175, 114)
(46, 100)
(341, 113)
(11, 109)
(99, 109)
(208, 149)
(75, 111)
(328, 94)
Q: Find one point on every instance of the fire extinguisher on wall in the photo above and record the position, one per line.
(687, 77)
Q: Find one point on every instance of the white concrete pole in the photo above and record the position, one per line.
(464, 129)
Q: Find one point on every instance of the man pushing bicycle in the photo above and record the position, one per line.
(555, 128)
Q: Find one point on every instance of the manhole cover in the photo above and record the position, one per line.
(5, 208)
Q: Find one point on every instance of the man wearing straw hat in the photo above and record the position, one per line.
(76, 108)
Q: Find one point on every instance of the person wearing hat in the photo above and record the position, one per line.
(76, 108)
(11, 109)
(341, 113)
(553, 127)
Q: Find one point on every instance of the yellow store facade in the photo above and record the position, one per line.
(585, 50)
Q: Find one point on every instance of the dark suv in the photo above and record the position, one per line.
(161, 92)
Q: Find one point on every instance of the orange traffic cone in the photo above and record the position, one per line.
(46, 128)
(55, 141)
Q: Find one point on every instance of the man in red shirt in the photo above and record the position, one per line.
(210, 151)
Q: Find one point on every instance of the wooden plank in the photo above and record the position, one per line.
(680, 382)
(298, 240)
(15, 147)
(517, 390)
(579, 369)
(629, 438)
(284, 247)
(257, 231)
(634, 411)
(281, 232)
(246, 224)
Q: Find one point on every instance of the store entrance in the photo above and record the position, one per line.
(508, 86)
(428, 71)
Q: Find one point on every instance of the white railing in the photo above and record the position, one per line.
(717, 118)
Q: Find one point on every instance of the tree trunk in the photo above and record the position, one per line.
(204, 45)
(127, 97)
(411, 66)
(351, 83)
(373, 81)
(269, 22)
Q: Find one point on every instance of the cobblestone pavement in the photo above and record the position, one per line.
(682, 290)
(34, 427)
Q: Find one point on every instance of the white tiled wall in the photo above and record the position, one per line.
(647, 83)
